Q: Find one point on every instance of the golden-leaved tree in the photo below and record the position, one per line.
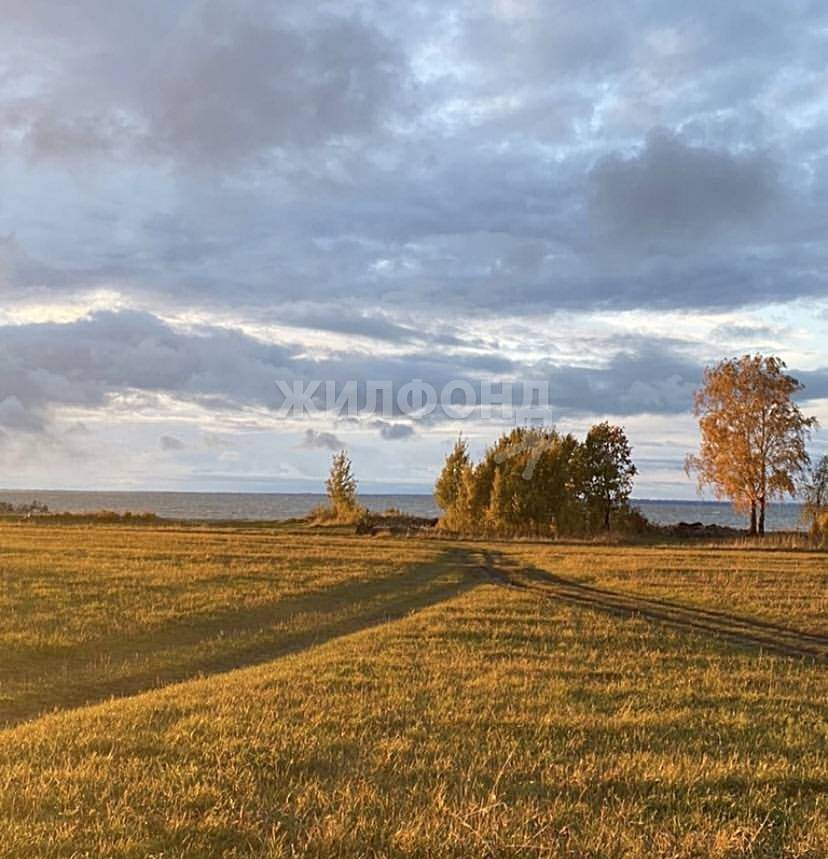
(341, 486)
(450, 490)
(753, 435)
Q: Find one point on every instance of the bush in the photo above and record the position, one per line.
(630, 520)
(325, 514)
(34, 508)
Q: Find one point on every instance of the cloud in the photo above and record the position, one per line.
(171, 443)
(733, 331)
(815, 382)
(326, 440)
(216, 441)
(93, 361)
(86, 362)
(343, 321)
(394, 431)
(15, 415)
(250, 157)
(204, 83)
(671, 194)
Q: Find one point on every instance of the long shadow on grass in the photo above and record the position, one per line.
(222, 641)
(745, 631)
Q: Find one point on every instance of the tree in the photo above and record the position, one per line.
(500, 513)
(449, 485)
(605, 471)
(815, 491)
(753, 435)
(454, 489)
(341, 486)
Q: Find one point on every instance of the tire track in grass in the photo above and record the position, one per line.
(737, 629)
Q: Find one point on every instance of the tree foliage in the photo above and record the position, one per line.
(816, 487)
(605, 472)
(449, 485)
(341, 486)
(753, 435)
(815, 495)
(534, 480)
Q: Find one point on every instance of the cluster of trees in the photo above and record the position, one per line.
(753, 435)
(538, 481)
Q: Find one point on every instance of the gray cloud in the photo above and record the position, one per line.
(815, 382)
(207, 82)
(326, 440)
(731, 331)
(88, 362)
(394, 431)
(343, 321)
(672, 194)
(216, 441)
(15, 415)
(171, 443)
(85, 362)
(313, 158)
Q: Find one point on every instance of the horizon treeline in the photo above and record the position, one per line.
(535, 481)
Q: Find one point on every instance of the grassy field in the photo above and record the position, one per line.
(91, 612)
(784, 587)
(401, 699)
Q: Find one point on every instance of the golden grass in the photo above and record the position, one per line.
(487, 723)
(88, 613)
(786, 587)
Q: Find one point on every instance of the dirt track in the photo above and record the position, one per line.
(748, 632)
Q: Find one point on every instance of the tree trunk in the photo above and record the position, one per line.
(762, 516)
(752, 531)
(607, 517)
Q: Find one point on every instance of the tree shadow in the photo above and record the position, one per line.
(222, 641)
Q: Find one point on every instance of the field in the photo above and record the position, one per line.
(287, 692)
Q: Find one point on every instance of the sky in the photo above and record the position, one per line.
(202, 199)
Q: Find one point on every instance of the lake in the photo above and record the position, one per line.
(255, 506)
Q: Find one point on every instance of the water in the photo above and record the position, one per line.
(209, 505)
(255, 506)
(779, 517)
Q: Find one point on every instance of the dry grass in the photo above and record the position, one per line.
(91, 612)
(785, 587)
(487, 723)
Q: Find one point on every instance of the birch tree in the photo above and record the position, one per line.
(753, 434)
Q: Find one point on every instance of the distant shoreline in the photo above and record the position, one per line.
(320, 494)
(261, 506)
